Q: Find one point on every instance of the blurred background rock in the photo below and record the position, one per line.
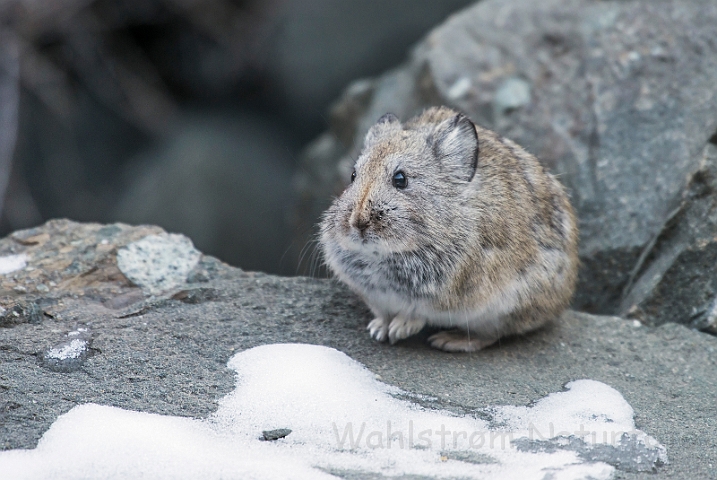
(189, 114)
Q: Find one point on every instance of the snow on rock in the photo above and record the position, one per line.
(158, 263)
(341, 420)
(73, 349)
(69, 354)
(12, 263)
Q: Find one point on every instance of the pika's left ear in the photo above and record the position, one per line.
(386, 125)
(456, 145)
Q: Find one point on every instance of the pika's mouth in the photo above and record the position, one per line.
(358, 241)
(368, 245)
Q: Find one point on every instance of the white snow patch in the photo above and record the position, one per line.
(590, 410)
(74, 349)
(342, 419)
(158, 263)
(12, 263)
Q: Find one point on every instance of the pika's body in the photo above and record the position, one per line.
(446, 223)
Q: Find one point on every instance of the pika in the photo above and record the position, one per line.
(447, 224)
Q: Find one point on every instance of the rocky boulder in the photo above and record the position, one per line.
(674, 277)
(137, 318)
(617, 98)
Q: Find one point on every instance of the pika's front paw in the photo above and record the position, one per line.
(378, 328)
(401, 328)
(458, 341)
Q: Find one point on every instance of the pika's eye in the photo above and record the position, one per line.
(353, 176)
(400, 180)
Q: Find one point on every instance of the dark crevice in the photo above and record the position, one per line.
(652, 249)
(594, 136)
(713, 139)
(700, 186)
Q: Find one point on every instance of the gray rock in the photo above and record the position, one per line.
(628, 454)
(512, 94)
(271, 435)
(675, 279)
(617, 98)
(22, 312)
(168, 354)
(158, 263)
(70, 354)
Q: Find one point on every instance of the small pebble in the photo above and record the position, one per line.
(271, 435)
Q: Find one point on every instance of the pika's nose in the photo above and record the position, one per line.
(360, 222)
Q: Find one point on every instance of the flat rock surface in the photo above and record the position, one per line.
(167, 353)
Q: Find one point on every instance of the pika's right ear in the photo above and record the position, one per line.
(385, 125)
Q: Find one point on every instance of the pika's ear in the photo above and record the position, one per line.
(385, 125)
(455, 144)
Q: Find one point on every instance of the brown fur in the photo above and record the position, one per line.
(497, 235)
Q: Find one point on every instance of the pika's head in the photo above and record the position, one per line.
(406, 184)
